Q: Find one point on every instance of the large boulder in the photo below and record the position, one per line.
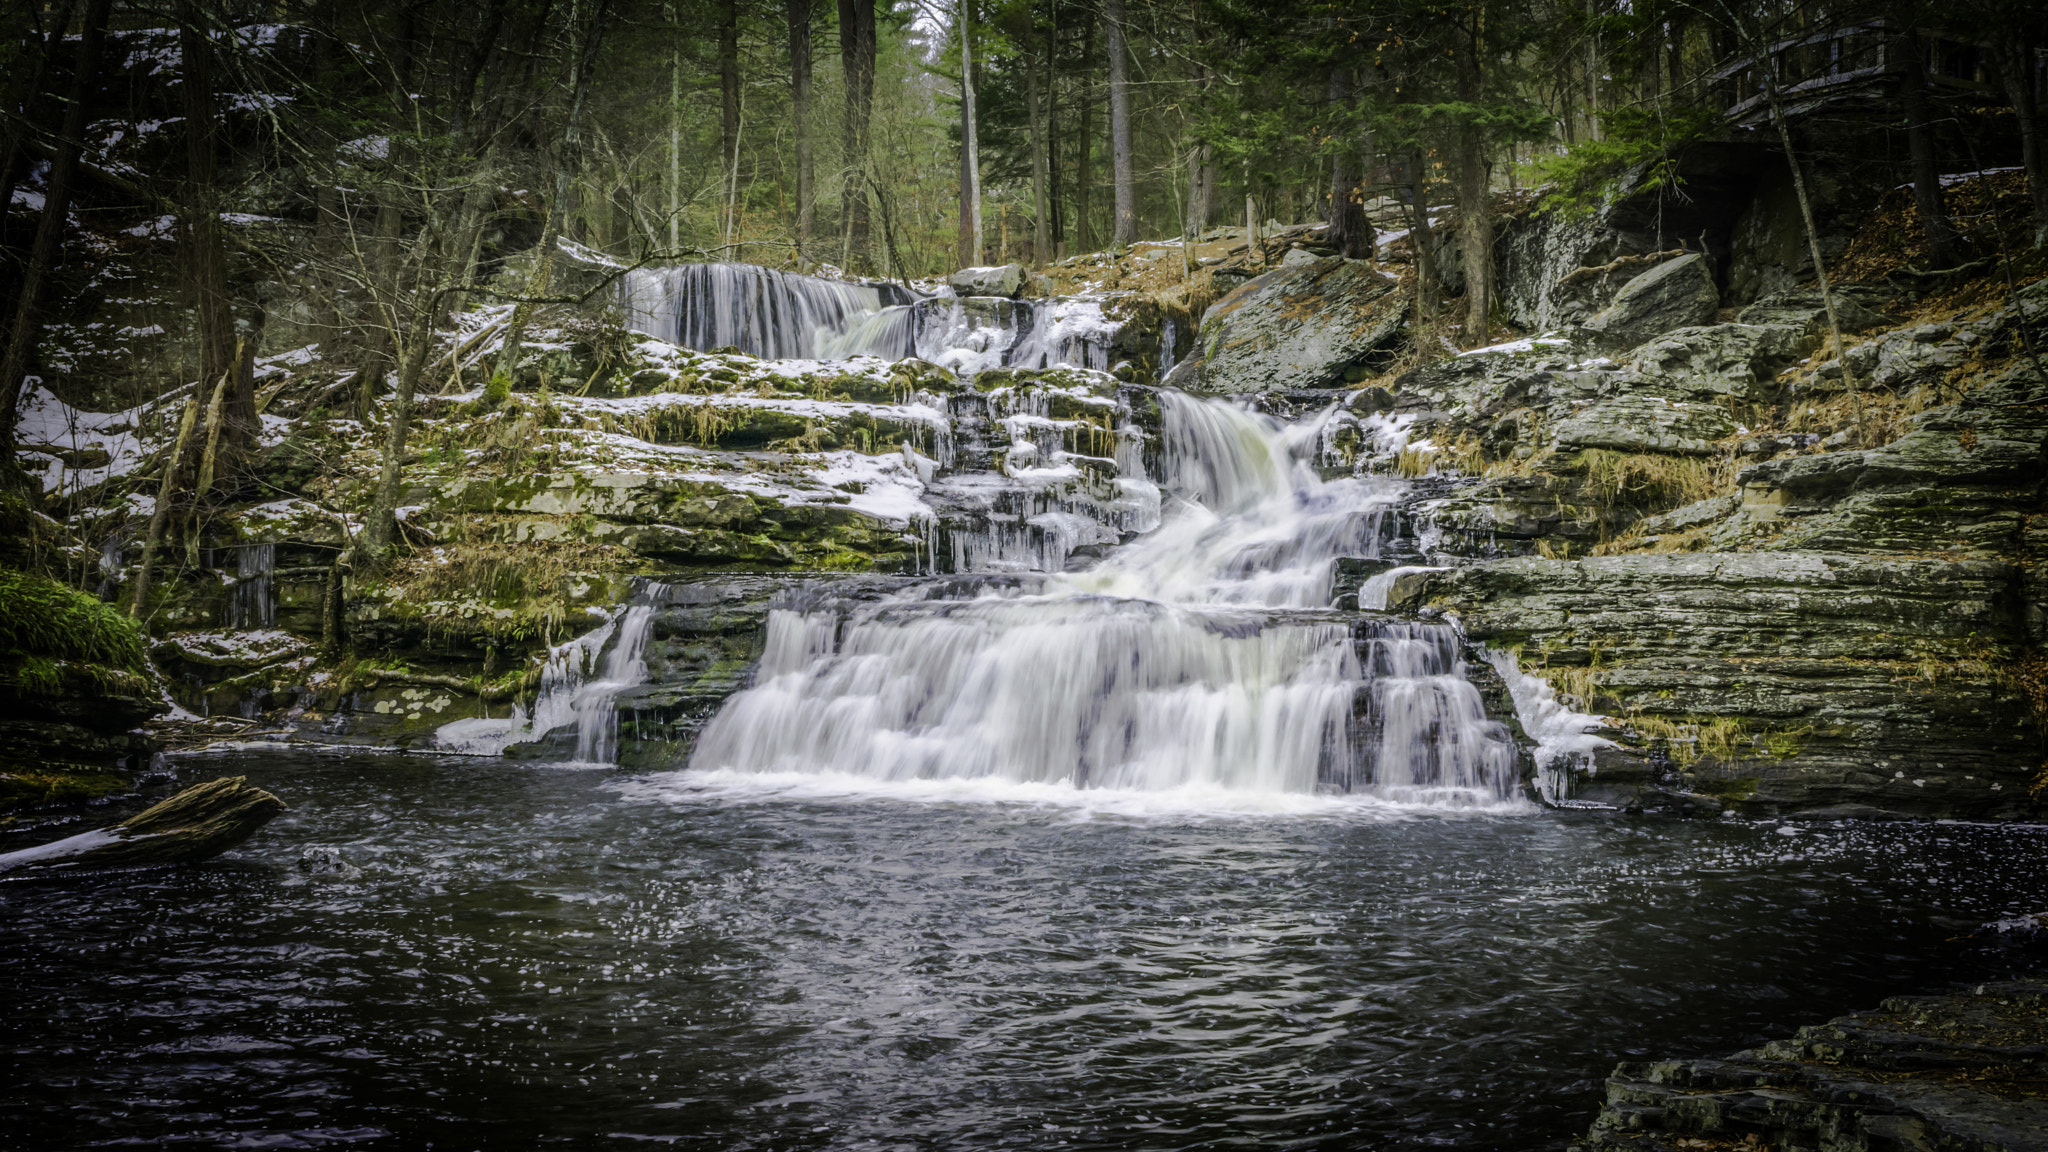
(1675, 294)
(1644, 424)
(1741, 361)
(997, 280)
(1299, 326)
(1803, 308)
(1558, 267)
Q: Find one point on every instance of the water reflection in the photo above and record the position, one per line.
(526, 956)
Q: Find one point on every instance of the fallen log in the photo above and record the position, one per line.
(203, 821)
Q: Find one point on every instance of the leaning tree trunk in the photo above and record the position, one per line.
(160, 518)
(199, 823)
(1820, 266)
(729, 110)
(380, 524)
(49, 236)
(23, 90)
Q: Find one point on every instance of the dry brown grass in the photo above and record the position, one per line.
(1633, 541)
(1690, 740)
(1644, 480)
(1891, 238)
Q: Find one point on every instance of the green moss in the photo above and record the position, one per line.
(58, 641)
(1785, 743)
(844, 561)
(58, 784)
(1739, 788)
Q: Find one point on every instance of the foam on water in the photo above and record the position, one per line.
(722, 785)
(1199, 660)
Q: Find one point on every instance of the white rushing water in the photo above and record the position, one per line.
(785, 315)
(1202, 656)
(579, 687)
(762, 312)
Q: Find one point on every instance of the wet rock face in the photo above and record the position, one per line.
(1776, 683)
(1299, 326)
(1675, 294)
(1960, 1071)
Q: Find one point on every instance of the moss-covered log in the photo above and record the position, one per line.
(198, 823)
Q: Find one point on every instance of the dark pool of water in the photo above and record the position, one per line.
(524, 956)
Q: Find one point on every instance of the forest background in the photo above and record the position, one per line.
(421, 142)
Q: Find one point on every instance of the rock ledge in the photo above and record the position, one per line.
(1966, 1071)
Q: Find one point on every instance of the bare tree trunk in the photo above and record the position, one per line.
(1041, 192)
(857, 62)
(1475, 224)
(1945, 248)
(1349, 231)
(49, 236)
(1820, 266)
(971, 245)
(1421, 241)
(1124, 179)
(24, 89)
(729, 108)
(198, 823)
(380, 524)
(799, 16)
(568, 160)
(2016, 65)
(1084, 177)
(1202, 166)
(1056, 179)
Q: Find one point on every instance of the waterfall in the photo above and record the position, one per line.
(253, 603)
(1372, 595)
(784, 315)
(1203, 655)
(981, 333)
(762, 312)
(580, 686)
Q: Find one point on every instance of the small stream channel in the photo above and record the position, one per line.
(465, 953)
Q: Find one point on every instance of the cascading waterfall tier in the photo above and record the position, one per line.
(579, 688)
(784, 315)
(762, 312)
(1202, 655)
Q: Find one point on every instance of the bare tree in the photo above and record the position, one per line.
(798, 13)
(1124, 183)
(1945, 248)
(857, 62)
(50, 231)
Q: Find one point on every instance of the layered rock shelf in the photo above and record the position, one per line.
(1964, 1071)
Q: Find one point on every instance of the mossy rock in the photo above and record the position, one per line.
(59, 785)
